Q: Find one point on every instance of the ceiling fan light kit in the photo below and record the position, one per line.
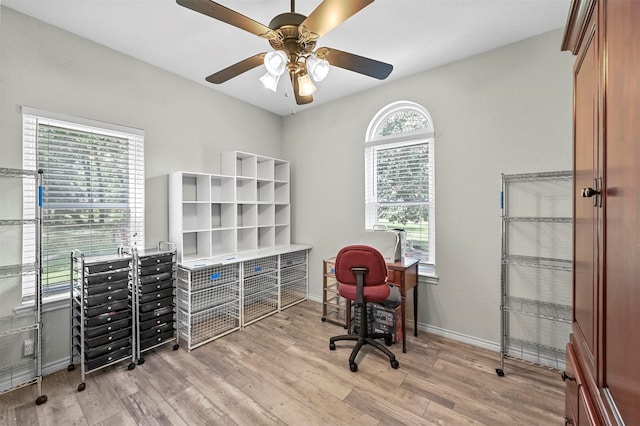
(293, 37)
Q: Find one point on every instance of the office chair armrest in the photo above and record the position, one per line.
(359, 273)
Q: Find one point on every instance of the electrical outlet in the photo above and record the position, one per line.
(28, 347)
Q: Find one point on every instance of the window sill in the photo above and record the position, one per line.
(51, 302)
(427, 275)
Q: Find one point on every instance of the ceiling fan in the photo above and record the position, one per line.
(293, 37)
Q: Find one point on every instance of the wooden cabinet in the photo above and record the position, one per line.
(603, 374)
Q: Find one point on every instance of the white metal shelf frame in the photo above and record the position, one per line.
(536, 266)
(14, 331)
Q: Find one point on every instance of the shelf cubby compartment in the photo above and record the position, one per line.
(247, 239)
(281, 192)
(196, 245)
(246, 190)
(195, 216)
(266, 236)
(282, 235)
(195, 187)
(265, 191)
(222, 188)
(223, 241)
(266, 214)
(265, 168)
(247, 215)
(222, 215)
(282, 214)
(246, 165)
(281, 170)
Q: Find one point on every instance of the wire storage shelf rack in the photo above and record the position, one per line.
(536, 267)
(259, 289)
(21, 334)
(293, 278)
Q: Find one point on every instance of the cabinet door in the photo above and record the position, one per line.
(586, 226)
(622, 288)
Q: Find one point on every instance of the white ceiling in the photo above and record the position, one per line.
(412, 35)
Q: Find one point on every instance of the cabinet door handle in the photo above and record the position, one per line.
(566, 377)
(589, 192)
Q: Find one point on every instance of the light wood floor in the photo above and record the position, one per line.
(280, 371)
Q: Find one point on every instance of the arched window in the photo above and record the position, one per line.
(399, 176)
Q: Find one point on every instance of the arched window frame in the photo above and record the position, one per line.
(375, 143)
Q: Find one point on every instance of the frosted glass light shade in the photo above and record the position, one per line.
(305, 85)
(317, 68)
(275, 62)
(270, 81)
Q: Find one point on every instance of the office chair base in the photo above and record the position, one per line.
(360, 342)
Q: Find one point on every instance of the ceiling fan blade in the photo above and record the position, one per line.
(231, 17)
(300, 100)
(236, 69)
(355, 63)
(331, 13)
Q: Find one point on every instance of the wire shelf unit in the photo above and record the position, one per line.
(21, 336)
(536, 267)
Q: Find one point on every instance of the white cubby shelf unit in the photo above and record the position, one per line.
(244, 208)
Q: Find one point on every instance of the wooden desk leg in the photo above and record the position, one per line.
(415, 310)
(404, 328)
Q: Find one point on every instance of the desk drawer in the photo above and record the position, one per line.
(394, 277)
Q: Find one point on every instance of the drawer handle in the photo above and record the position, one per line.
(566, 377)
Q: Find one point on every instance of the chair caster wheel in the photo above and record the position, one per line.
(353, 366)
(71, 367)
(324, 319)
(131, 366)
(395, 364)
(332, 346)
(388, 341)
(41, 399)
(140, 361)
(81, 387)
(500, 372)
(176, 347)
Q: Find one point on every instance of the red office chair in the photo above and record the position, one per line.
(362, 276)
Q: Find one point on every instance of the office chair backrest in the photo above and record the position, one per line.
(360, 256)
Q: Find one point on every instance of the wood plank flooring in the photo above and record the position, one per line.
(280, 371)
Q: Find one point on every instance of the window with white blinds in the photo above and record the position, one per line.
(93, 191)
(399, 176)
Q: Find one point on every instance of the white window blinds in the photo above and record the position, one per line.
(93, 191)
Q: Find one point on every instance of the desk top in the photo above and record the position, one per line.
(402, 264)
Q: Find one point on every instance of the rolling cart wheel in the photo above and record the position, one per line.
(140, 361)
(353, 366)
(81, 387)
(345, 326)
(131, 366)
(41, 399)
(500, 372)
(395, 364)
(332, 346)
(71, 367)
(323, 319)
(176, 347)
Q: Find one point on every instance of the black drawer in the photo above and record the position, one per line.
(99, 330)
(156, 313)
(108, 358)
(156, 340)
(92, 353)
(111, 296)
(150, 306)
(149, 288)
(107, 266)
(156, 278)
(106, 318)
(156, 295)
(119, 305)
(156, 331)
(153, 322)
(156, 269)
(97, 288)
(153, 260)
(106, 339)
(105, 277)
